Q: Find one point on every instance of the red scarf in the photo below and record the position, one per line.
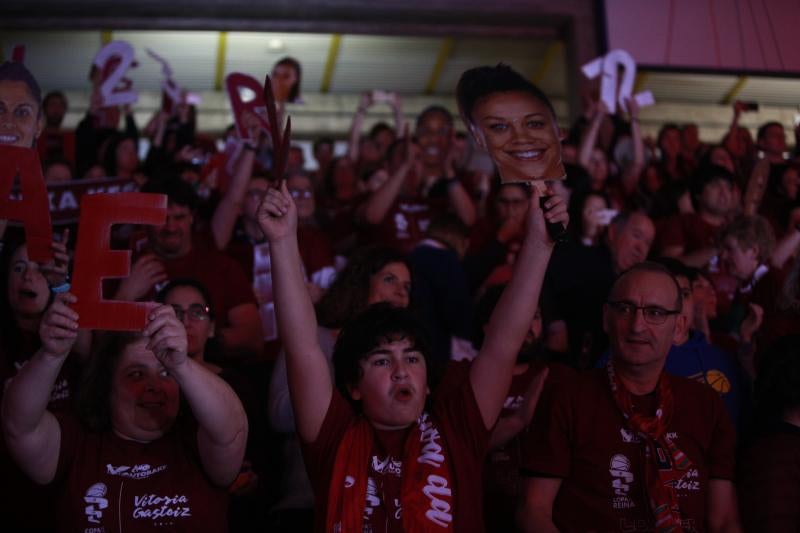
(426, 494)
(665, 464)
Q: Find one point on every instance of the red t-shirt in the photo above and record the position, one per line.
(459, 419)
(688, 230)
(25, 505)
(585, 440)
(224, 279)
(316, 250)
(114, 485)
(501, 469)
(406, 222)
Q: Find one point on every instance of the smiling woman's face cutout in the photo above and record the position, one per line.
(520, 134)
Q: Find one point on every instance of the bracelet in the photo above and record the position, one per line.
(58, 289)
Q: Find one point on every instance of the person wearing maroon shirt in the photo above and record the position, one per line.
(24, 285)
(130, 464)
(55, 142)
(376, 456)
(628, 447)
(422, 182)
(532, 376)
(771, 139)
(172, 252)
(746, 246)
(690, 236)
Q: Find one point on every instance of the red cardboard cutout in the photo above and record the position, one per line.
(234, 83)
(33, 209)
(95, 261)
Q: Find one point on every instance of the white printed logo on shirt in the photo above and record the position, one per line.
(689, 482)
(136, 472)
(161, 508)
(389, 465)
(620, 469)
(96, 498)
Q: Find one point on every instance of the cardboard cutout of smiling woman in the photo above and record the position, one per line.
(514, 121)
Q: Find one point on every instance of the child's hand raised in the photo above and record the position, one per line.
(277, 214)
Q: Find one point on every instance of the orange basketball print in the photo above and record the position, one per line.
(718, 381)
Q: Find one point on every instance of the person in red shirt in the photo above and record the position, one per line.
(628, 447)
(172, 251)
(378, 458)
(422, 183)
(55, 142)
(131, 464)
(690, 236)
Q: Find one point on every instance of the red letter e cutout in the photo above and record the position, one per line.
(95, 260)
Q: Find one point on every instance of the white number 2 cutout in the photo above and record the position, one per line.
(116, 88)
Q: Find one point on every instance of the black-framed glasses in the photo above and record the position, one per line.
(653, 314)
(195, 312)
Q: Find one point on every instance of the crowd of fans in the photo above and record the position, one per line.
(243, 403)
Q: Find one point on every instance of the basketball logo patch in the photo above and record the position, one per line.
(718, 381)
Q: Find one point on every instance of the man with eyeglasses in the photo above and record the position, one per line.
(629, 447)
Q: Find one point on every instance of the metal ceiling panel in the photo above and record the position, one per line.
(523, 56)
(688, 88)
(58, 59)
(772, 91)
(190, 54)
(402, 64)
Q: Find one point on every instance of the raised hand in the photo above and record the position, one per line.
(167, 337)
(555, 212)
(59, 328)
(55, 271)
(146, 272)
(277, 214)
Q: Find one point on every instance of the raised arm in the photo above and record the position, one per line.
(456, 193)
(732, 142)
(310, 384)
(229, 207)
(589, 139)
(222, 423)
(631, 173)
(490, 374)
(377, 205)
(355, 128)
(32, 433)
(397, 110)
